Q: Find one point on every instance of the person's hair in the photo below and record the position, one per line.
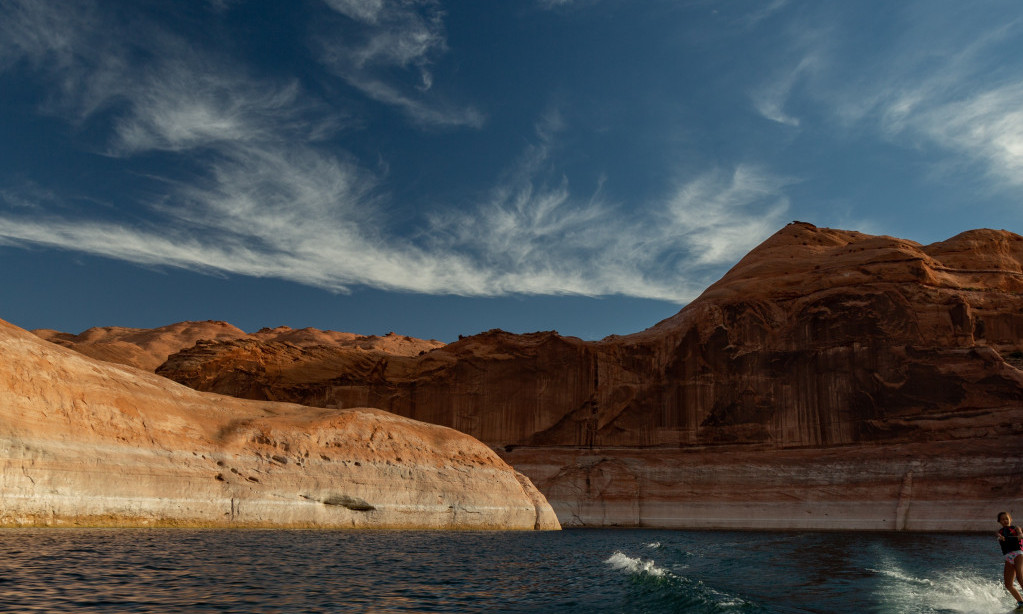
(1000, 514)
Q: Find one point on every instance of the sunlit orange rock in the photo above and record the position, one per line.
(148, 348)
(85, 442)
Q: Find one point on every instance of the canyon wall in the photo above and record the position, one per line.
(84, 442)
(955, 485)
(819, 343)
(818, 337)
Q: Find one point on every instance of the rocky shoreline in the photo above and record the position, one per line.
(948, 487)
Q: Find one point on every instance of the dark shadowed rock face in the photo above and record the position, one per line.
(818, 337)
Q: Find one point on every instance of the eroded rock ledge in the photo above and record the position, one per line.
(83, 442)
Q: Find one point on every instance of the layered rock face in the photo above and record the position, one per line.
(952, 485)
(84, 442)
(818, 337)
(818, 340)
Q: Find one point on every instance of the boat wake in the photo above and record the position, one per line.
(952, 592)
(636, 565)
(658, 589)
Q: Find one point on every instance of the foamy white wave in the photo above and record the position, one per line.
(899, 575)
(971, 595)
(691, 591)
(622, 561)
(654, 545)
(964, 594)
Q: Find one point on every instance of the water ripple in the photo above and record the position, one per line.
(582, 571)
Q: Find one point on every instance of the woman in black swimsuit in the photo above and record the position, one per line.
(1009, 539)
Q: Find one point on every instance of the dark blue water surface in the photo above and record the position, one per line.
(581, 571)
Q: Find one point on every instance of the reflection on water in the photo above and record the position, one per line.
(167, 570)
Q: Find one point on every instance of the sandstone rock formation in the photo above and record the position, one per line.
(828, 370)
(84, 442)
(818, 337)
(148, 348)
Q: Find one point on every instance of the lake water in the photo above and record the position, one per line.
(579, 571)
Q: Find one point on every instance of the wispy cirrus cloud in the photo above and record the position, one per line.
(529, 239)
(38, 33)
(987, 126)
(434, 114)
(398, 34)
(177, 98)
(771, 98)
(556, 4)
(961, 103)
(799, 64)
(393, 39)
(962, 96)
(308, 217)
(266, 194)
(292, 214)
(68, 43)
(765, 11)
(174, 108)
(723, 215)
(545, 239)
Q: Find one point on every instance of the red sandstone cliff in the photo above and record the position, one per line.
(901, 360)
(818, 337)
(94, 443)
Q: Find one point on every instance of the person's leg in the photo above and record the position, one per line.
(1018, 568)
(1010, 575)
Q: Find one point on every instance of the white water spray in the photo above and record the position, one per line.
(959, 592)
(636, 565)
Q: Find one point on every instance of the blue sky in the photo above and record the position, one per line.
(441, 168)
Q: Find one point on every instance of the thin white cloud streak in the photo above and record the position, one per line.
(394, 35)
(771, 98)
(432, 114)
(754, 18)
(770, 102)
(233, 227)
(152, 247)
(801, 63)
